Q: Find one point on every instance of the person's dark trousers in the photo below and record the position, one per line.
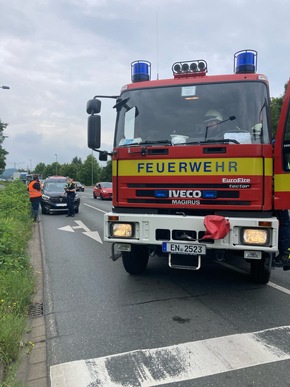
(284, 239)
(35, 207)
(284, 230)
(70, 205)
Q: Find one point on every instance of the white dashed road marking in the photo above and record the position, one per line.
(187, 361)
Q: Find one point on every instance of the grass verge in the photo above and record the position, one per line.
(16, 274)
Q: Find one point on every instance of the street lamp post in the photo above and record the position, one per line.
(92, 182)
(55, 163)
(5, 87)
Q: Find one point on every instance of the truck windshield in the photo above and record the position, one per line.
(233, 111)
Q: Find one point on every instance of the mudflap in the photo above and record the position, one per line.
(261, 269)
(115, 255)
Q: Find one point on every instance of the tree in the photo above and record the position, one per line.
(77, 163)
(106, 174)
(40, 169)
(276, 106)
(90, 171)
(48, 171)
(77, 160)
(69, 170)
(3, 152)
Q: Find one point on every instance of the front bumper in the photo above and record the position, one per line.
(152, 230)
(56, 207)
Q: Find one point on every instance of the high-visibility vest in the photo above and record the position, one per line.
(33, 193)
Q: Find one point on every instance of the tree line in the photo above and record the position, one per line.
(88, 172)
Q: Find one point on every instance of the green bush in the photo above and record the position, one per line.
(15, 226)
(16, 274)
(14, 200)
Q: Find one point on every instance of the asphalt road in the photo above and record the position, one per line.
(211, 327)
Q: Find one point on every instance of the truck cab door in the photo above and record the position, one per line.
(282, 157)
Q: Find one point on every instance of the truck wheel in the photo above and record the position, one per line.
(261, 270)
(136, 260)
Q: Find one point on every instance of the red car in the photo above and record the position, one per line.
(103, 190)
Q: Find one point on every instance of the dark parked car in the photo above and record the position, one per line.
(103, 190)
(79, 186)
(54, 198)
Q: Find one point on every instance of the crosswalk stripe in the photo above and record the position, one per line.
(186, 361)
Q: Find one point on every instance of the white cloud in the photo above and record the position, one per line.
(57, 54)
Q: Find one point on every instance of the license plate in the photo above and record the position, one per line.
(60, 205)
(183, 248)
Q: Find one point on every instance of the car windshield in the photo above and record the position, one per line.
(107, 185)
(54, 186)
(181, 114)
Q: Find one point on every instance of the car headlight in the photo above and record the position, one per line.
(122, 230)
(45, 198)
(255, 236)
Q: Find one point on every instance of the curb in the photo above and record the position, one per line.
(32, 370)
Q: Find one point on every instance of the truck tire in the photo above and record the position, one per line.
(136, 260)
(261, 270)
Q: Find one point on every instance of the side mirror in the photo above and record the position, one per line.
(93, 106)
(94, 132)
(103, 156)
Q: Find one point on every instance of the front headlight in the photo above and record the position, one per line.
(122, 230)
(255, 236)
(45, 198)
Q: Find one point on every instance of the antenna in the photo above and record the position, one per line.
(157, 44)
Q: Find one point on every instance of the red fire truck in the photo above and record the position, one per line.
(195, 171)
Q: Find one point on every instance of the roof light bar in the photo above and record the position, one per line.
(140, 71)
(189, 68)
(245, 61)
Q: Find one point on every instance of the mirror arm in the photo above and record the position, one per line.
(104, 152)
(106, 96)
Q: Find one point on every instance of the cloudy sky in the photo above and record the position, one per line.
(57, 54)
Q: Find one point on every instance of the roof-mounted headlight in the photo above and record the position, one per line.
(189, 68)
(193, 66)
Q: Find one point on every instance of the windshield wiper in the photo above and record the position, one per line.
(231, 118)
(120, 103)
(223, 141)
(161, 142)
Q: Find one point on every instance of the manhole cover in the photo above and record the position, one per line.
(36, 310)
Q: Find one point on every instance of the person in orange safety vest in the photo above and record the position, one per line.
(34, 190)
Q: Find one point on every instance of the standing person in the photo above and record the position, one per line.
(70, 189)
(283, 258)
(34, 190)
(212, 119)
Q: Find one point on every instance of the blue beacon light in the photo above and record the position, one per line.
(140, 71)
(245, 61)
